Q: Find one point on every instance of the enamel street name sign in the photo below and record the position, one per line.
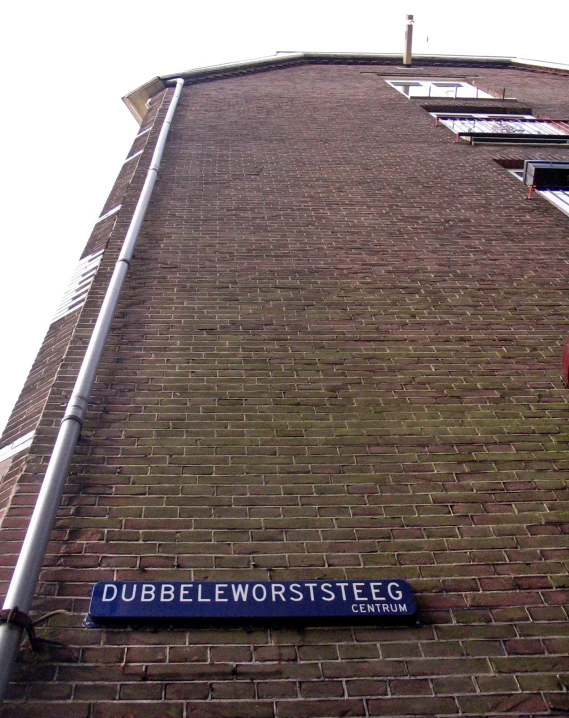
(139, 601)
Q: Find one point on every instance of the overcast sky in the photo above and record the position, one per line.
(66, 65)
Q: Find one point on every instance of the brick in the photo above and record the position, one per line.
(410, 687)
(540, 682)
(412, 706)
(140, 692)
(194, 690)
(355, 651)
(448, 666)
(49, 692)
(277, 689)
(237, 690)
(556, 701)
(29, 709)
(502, 704)
(442, 648)
(318, 708)
(497, 684)
(321, 689)
(151, 654)
(367, 669)
(234, 654)
(453, 685)
(275, 653)
(524, 647)
(103, 654)
(229, 709)
(403, 649)
(95, 691)
(317, 653)
(484, 648)
(366, 687)
(527, 665)
(144, 709)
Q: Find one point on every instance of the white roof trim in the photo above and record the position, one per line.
(279, 57)
(136, 100)
(541, 63)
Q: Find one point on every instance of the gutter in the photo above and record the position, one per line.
(26, 573)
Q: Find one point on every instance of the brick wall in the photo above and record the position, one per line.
(337, 355)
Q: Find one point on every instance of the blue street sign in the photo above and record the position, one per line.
(147, 600)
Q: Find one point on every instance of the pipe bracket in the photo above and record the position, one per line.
(19, 618)
(76, 409)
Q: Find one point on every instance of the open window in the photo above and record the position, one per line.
(548, 178)
(516, 129)
(445, 89)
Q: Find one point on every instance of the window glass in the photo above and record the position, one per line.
(559, 198)
(501, 124)
(479, 127)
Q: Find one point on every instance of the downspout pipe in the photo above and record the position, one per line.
(26, 573)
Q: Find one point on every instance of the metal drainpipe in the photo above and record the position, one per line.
(24, 580)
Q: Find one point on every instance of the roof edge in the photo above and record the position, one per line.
(541, 64)
(280, 58)
(137, 100)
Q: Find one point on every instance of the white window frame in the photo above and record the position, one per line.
(434, 88)
(19, 444)
(484, 123)
(79, 285)
(558, 198)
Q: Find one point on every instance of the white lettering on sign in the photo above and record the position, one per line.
(277, 589)
(311, 589)
(375, 587)
(255, 591)
(329, 595)
(112, 595)
(201, 599)
(395, 593)
(240, 591)
(225, 592)
(219, 589)
(167, 592)
(358, 592)
(132, 595)
(379, 608)
(297, 594)
(148, 592)
(263, 599)
(184, 590)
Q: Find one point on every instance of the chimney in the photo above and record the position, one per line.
(408, 41)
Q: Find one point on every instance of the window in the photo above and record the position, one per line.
(522, 129)
(445, 89)
(543, 177)
(23, 442)
(79, 285)
(8, 452)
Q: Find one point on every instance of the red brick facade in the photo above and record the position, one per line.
(337, 355)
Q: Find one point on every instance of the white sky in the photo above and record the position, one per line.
(65, 66)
